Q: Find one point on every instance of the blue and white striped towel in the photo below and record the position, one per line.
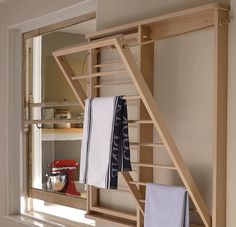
(105, 145)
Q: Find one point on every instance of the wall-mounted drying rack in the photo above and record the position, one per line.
(140, 74)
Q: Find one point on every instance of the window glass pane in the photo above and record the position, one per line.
(55, 132)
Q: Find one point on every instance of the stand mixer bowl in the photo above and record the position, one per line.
(56, 181)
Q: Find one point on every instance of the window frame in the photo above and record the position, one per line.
(17, 171)
(52, 197)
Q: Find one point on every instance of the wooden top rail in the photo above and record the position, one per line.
(159, 19)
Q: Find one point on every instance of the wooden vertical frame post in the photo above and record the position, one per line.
(93, 192)
(27, 111)
(220, 94)
(146, 61)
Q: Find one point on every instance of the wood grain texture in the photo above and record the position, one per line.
(93, 58)
(220, 94)
(182, 24)
(146, 65)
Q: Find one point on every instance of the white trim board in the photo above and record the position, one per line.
(70, 12)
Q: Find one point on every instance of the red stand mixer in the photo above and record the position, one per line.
(62, 176)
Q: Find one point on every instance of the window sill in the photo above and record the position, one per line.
(29, 221)
(38, 219)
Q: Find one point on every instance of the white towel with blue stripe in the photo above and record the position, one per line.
(105, 144)
(166, 206)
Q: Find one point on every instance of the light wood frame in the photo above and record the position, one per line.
(212, 15)
(72, 201)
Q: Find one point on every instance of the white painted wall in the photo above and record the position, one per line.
(119, 12)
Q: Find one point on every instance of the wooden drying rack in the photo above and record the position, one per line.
(212, 16)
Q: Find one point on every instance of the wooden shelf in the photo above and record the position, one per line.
(78, 202)
(61, 134)
(110, 219)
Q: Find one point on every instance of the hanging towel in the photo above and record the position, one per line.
(105, 144)
(166, 206)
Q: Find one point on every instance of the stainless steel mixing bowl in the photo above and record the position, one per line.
(56, 182)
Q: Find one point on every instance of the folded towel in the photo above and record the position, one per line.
(105, 145)
(166, 206)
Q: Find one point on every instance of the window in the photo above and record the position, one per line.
(54, 123)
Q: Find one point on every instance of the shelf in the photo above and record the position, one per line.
(78, 202)
(110, 219)
(62, 134)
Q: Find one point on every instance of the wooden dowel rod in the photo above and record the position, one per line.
(67, 103)
(52, 121)
(128, 38)
(110, 73)
(138, 183)
(140, 122)
(110, 63)
(131, 97)
(154, 166)
(132, 144)
(140, 44)
(113, 83)
(54, 104)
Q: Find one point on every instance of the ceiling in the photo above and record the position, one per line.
(1, 1)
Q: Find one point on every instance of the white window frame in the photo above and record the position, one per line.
(16, 184)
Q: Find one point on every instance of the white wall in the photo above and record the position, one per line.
(119, 12)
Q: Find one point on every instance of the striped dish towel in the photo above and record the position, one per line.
(105, 145)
